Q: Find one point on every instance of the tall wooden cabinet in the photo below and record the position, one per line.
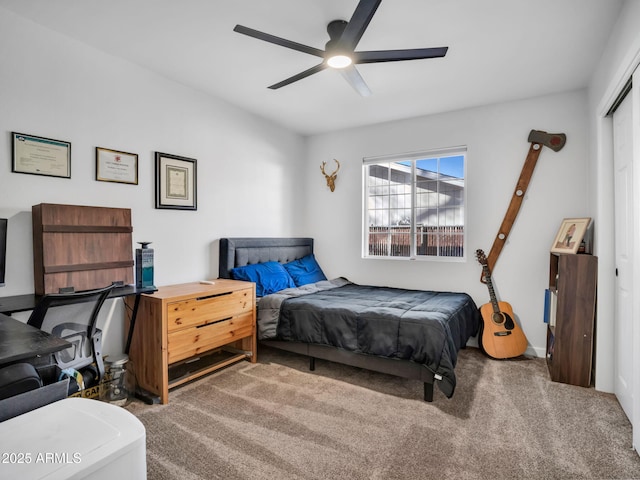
(570, 332)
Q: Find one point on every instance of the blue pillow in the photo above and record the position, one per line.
(269, 277)
(305, 270)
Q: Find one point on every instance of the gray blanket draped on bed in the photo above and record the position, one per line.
(425, 327)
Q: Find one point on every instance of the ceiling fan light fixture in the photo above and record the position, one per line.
(336, 55)
(339, 61)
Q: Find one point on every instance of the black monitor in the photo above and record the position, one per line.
(3, 249)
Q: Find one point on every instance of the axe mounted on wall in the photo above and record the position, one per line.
(538, 139)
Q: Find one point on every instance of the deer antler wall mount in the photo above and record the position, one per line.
(331, 178)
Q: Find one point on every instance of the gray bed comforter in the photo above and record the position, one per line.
(425, 327)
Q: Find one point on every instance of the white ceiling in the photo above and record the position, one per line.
(499, 50)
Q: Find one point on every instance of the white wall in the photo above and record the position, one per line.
(55, 87)
(496, 137)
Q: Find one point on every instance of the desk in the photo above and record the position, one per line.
(23, 303)
(19, 341)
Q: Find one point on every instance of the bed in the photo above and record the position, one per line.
(408, 333)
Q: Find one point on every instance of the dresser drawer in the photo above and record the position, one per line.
(207, 308)
(192, 341)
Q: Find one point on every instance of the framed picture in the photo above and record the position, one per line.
(40, 156)
(176, 182)
(570, 235)
(115, 166)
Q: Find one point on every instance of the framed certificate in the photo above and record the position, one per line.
(176, 182)
(40, 156)
(115, 166)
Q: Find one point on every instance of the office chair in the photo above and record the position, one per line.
(73, 317)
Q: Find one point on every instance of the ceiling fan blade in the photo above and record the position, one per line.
(398, 55)
(299, 76)
(359, 22)
(283, 42)
(354, 78)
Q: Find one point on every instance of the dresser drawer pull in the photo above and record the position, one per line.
(213, 323)
(206, 297)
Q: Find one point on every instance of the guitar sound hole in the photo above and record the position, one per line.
(500, 318)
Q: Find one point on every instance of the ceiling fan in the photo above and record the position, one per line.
(339, 52)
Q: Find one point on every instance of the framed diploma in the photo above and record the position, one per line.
(176, 182)
(114, 166)
(41, 156)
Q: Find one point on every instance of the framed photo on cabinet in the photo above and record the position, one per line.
(570, 235)
(176, 182)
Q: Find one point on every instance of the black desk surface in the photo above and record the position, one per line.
(19, 341)
(23, 303)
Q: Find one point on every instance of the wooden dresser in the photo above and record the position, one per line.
(185, 331)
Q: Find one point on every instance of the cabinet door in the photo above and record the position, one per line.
(573, 343)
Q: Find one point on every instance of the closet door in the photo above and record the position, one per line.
(625, 212)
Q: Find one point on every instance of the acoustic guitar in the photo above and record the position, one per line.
(500, 336)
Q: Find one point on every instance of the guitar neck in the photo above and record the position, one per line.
(492, 293)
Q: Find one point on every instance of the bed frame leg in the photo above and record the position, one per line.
(312, 364)
(428, 392)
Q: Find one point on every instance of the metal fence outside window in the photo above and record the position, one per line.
(395, 241)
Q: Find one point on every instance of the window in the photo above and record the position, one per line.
(414, 205)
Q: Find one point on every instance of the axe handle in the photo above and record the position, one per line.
(514, 206)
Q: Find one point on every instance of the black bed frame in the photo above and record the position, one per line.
(238, 252)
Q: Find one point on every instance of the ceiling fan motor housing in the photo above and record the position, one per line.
(335, 29)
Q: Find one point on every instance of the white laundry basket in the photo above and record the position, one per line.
(74, 438)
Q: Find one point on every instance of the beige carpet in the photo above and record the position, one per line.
(276, 420)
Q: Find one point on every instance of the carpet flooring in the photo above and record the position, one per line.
(277, 420)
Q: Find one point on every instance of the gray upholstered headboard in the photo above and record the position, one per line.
(238, 252)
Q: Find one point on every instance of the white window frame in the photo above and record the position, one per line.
(413, 157)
